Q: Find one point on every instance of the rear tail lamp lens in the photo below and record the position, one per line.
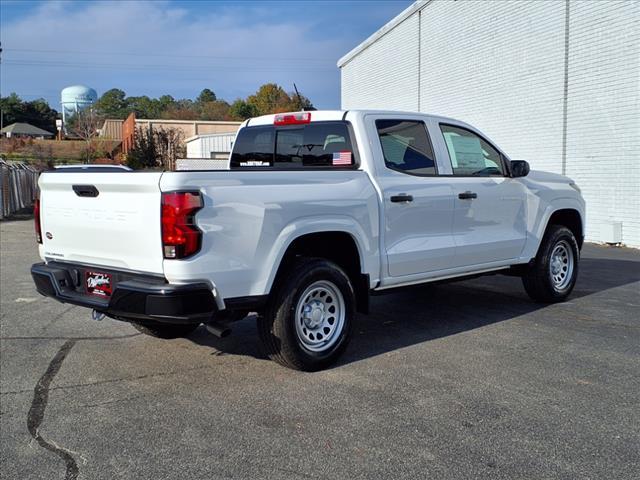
(292, 118)
(180, 236)
(36, 220)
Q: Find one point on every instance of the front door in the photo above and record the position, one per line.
(489, 222)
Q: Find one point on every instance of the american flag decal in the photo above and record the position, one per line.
(342, 158)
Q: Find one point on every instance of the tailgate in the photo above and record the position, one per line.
(100, 218)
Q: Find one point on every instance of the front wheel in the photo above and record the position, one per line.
(553, 275)
(307, 324)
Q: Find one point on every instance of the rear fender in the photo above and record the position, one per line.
(367, 248)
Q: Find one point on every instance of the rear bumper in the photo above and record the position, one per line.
(135, 296)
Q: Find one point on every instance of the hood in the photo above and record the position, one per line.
(541, 176)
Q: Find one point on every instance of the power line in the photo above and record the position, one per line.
(176, 68)
(168, 55)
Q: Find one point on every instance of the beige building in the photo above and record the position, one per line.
(112, 128)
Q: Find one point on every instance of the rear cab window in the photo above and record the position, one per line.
(313, 145)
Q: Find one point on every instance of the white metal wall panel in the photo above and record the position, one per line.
(203, 145)
(183, 164)
(603, 115)
(501, 67)
(386, 73)
(194, 148)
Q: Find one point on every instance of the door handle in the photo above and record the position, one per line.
(403, 197)
(467, 195)
(85, 190)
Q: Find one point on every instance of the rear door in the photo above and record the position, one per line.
(418, 206)
(102, 219)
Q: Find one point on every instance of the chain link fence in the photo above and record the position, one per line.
(18, 187)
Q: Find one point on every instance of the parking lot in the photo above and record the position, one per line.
(464, 380)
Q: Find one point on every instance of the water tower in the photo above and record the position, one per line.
(75, 98)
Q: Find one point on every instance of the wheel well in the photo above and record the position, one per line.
(571, 219)
(338, 247)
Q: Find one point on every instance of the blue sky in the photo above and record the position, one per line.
(180, 47)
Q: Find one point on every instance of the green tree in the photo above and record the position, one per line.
(206, 95)
(36, 112)
(241, 110)
(165, 102)
(270, 98)
(144, 107)
(217, 110)
(113, 104)
(180, 112)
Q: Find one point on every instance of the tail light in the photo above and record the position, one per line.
(180, 236)
(299, 118)
(36, 220)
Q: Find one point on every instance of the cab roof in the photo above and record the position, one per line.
(334, 115)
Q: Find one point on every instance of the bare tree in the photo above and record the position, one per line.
(170, 146)
(156, 148)
(84, 125)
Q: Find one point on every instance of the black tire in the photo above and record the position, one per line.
(277, 328)
(164, 330)
(538, 279)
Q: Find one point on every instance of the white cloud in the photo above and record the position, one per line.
(173, 50)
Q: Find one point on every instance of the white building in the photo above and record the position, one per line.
(217, 145)
(207, 152)
(556, 83)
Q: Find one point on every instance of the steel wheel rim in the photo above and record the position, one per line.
(320, 316)
(561, 265)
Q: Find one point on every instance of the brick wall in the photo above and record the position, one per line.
(128, 133)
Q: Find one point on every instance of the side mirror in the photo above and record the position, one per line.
(519, 168)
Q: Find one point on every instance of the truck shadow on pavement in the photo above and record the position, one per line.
(427, 312)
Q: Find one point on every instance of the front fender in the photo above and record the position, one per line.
(538, 222)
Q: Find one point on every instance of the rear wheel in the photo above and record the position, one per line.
(555, 270)
(307, 324)
(164, 330)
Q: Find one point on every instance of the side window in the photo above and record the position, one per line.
(253, 147)
(406, 146)
(470, 154)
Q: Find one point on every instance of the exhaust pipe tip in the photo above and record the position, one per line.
(97, 316)
(218, 329)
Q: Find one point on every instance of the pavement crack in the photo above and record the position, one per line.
(113, 337)
(55, 318)
(110, 402)
(114, 380)
(39, 405)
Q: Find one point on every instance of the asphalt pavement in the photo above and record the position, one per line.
(455, 381)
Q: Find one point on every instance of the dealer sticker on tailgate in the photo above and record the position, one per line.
(98, 283)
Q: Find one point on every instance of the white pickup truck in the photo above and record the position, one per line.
(318, 211)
